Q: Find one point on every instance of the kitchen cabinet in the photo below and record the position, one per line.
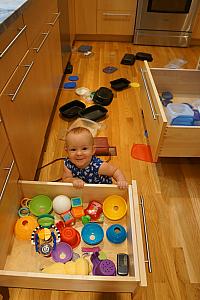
(116, 17)
(9, 193)
(55, 60)
(21, 267)
(167, 140)
(72, 25)
(13, 46)
(28, 97)
(103, 19)
(85, 13)
(196, 29)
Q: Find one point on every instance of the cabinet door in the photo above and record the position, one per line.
(196, 27)
(72, 26)
(115, 22)
(55, 59)
(9, 203)
(154, 117)
(117, 4)
(26, 106)
(85, 12)
(13, 47)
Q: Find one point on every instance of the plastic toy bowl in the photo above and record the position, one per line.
(62, 253)
(114, 207)
(71, 236)
(92, 234)
(24, 227)
(40, 204)
(116, 234)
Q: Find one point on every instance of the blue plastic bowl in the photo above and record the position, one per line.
(92, 234)
(116, 234)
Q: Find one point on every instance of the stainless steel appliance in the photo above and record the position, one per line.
(64, 32)
(165, 22)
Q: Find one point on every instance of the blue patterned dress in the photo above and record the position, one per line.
(90, 173)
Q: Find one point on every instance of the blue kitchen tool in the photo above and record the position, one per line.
(92, 233)
(116, 234)
(69, 85)
(73, 78)
(183, 121)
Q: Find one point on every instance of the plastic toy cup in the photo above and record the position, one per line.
(62, 253)
(71, 236)
(40, 204)
(114, 207)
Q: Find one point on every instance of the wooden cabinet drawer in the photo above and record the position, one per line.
(165, 139)
(9, 197)
(13, 46)
(115, 22)
(22, 266)
(25, 111)
(116, 4)
(5, 165)
(3, 140)
(35, 24)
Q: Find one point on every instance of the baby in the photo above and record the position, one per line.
(82, 166)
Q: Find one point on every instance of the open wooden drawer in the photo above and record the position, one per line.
(167, 140)
(21, 267)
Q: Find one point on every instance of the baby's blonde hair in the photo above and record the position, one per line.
(79, 130)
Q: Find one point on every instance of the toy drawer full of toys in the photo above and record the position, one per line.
(169, 140)
(21, 264)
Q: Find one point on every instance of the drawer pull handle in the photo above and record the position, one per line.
(155, 115)
(146, 235)
(56, 18)
(44, 39)
(12, 42)
(13, 95)
(115, 14)
(6, 181)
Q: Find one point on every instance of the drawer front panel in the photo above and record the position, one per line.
(115, 22)
(117, 4)
(35, 24)
(27, 112)
(155, 119)
(3, 141)
(13, 46)
(17, 274)
(9, 203)
(4, 166)
(181, 141)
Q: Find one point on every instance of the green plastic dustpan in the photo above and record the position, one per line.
(40, 204)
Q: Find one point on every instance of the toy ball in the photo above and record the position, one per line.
(61, 204)
(24, 227)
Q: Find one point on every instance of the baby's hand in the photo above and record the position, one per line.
(123, 184)
(78, 183)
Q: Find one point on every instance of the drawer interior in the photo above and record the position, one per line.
(23, 258)
(182, 83)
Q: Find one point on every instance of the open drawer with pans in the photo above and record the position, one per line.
(21, 266)
(169, 140)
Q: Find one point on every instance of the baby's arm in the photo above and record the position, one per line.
(112, 171)
(67, 177)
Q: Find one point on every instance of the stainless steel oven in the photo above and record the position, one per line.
(165, 22)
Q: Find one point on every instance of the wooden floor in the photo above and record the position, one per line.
(171, 188)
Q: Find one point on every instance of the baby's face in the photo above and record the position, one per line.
(80, 149)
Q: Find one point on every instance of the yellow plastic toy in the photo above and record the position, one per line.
(79, 267)
(24, 227)
(114, 207)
